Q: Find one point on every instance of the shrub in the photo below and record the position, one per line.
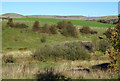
(87, 30)
(69, 30)
(108, 32)
(43, 39)
(53, 29)
(76, 51)
(102, 21)
(36, 26)
(22, 25)
(114, 51)
(64, 32)
(43, 53)
(10, 22)
(8, 59)
(61, 24)
(93, 32)
(45, 29)
(70, 51)
(50, 75)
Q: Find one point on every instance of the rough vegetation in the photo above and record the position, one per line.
(87, 30)
(56, 43)
(50, 75)
(36, 26)
(69, 51)
(114, 51)
(10, 23)
(8, 59)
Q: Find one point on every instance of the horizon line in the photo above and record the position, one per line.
(58, 15)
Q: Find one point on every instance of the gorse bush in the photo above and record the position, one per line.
(36, 26)
(70, 51)
(43, 53)
(45, 29)
(69, 30)
(20, 25)
(108, 32)
(65, 28)
(114, 51)
(61, 24)
(87, 30)
(16, 25)
(53, 29)
(111, 21)
(10, 22)
(93, 32)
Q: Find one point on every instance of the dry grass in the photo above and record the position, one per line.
(25, 67)
(18, 71)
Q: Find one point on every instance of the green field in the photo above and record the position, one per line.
(75, 22)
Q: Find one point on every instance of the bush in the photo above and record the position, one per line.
(70, 51)
(93, 32)
(76, 51)
(45, 29)
(8, 59)
(50, 75)
(114, 51)
(69, 30)
(108, 32)
(43, 53)
(10, 22)
(61, 24)
(18, 25)
(53, 29)
(36, 26)
(87, 30)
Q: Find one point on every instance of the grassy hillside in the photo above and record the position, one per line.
(21, 64)
(19, 38)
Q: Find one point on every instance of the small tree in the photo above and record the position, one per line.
(10, 22)
(36, 26)
(71, 29)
